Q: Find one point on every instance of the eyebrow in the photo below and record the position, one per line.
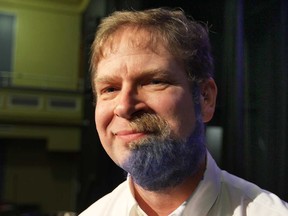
(156, 72)
(143, 74)
(105, 79)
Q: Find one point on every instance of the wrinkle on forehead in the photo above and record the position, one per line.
(136, 36)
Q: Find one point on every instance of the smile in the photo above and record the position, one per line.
(129, 136)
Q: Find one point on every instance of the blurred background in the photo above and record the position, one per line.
(51, 160)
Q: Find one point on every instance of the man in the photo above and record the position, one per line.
(152, 78)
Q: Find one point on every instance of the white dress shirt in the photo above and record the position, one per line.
(218, 194)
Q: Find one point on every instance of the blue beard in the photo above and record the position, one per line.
(161, 163)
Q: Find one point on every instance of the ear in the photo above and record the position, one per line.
(208, 96)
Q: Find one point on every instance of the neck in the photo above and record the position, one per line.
(158, 203)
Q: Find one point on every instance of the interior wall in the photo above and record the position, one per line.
(255, 94)
(40, 147)
(46, 45)
(35, 177)
(267, 98)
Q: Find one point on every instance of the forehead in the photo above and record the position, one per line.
(133, 55)
(133, 37)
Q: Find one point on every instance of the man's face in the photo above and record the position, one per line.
(132, 80)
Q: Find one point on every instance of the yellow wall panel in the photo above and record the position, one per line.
(47, 46)
(47, 50)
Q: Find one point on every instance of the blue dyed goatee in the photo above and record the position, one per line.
(161, 161)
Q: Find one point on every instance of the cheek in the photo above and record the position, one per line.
(178, 110)
(103, 116)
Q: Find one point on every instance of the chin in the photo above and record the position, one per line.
(159, 163)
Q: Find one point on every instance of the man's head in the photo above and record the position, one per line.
(152, 65)
(186, 39)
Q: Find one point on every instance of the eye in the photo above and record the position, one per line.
(109, 90)
(156, 82)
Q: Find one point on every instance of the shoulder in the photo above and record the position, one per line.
(249, 198)
(112, 203)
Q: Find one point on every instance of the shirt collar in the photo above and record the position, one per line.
(206, 192)
(200, 202)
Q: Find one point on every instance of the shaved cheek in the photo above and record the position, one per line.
(181, 114)
(100, 114)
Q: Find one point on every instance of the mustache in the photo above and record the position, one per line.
(149, 123)
(152, 124)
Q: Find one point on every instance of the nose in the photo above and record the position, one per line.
(129, 104)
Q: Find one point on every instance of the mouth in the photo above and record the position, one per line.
(130, 136)
(144, 126)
